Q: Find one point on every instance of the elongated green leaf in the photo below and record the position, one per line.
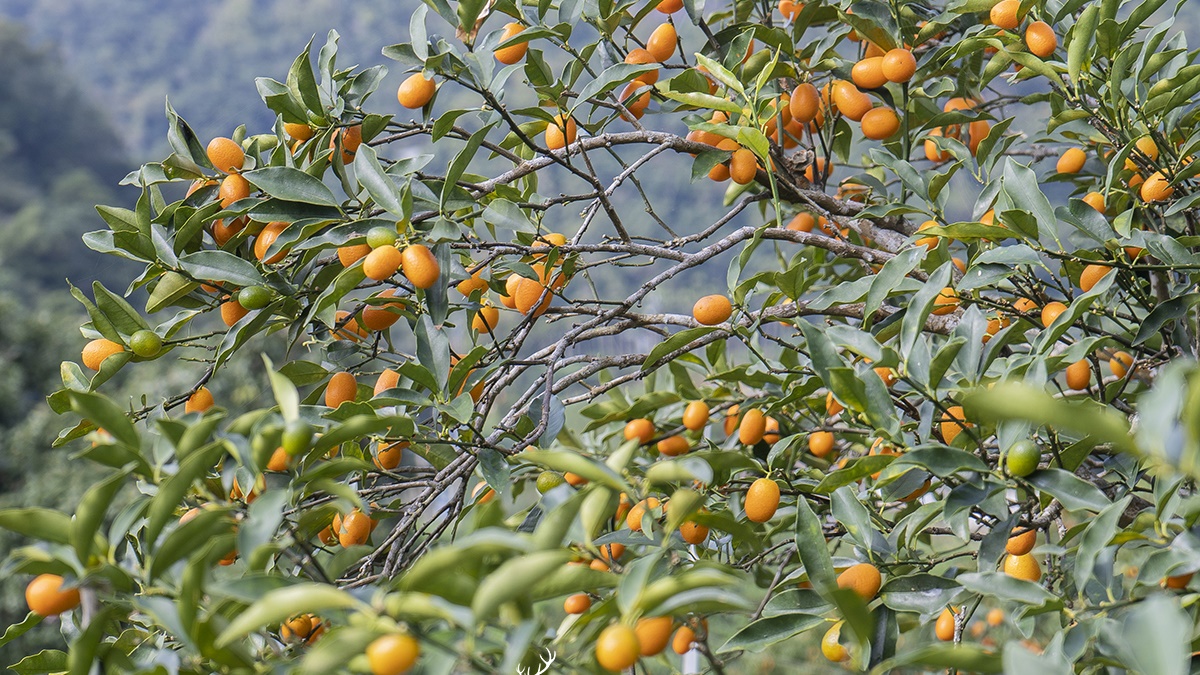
(284, 603)
(91, 510)
(292, 185)
(371, 175)
(758, 635)
(513, 579)
(221, 266)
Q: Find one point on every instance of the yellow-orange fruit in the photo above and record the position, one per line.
(1120, 363)
(562, 131)
(762, 500)
(1071, 161)
(1079, 374)
(642, 57)
(868, 73)
(653, 634)
(805, 103)
(299, 132)
(1156, 188)
(850, 101)
(46, 597)
(279, 460)
(673, 446)
(350, 330)
(752, 427)
(929, 243)
(669, 6)
(899, 65)
(880, 123)
(662, 42)
(1023, 567)
(642, 429)
(224, 230)
(382, 262)
(389, 456)
(577, 603)
(510, 55)
(348, 255)
(611, 551)
(831, 645)
(932, 152)
(952, 423)
(415, 91)
(636, 105)
(1095, 200)
(1091, 275)
(1004, 14)
(574, 479)
(944, 628)
(820, 443)
(802, 222)
(1040, 39)
(633, 520)
(1020, 544)
(945, 302)
(617, 646)
(712, 310)
(832, 405)
(1178, 581)
(684, 637)
(341, 389)
(381, 317)
(226, 155)
(995, 617)
(863, 578)
(233, 189)
(732, 418)
(1051, 312)
(420, 266)
(743, 166)
(1024, 305)
(96, 351)
(393, 654)
(486, 319)
(693, 533)
(200, 401)
(262, 243)
(695, 416)
(388, 379)
(355, 529)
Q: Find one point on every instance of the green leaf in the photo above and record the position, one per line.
(41, 663)
(1156, 633)
(1079, 39)
(172, 490)
(221, 266)
(1073, 492)
(170, 288)
(965, 657)
(758, 635)
(721, 74)
(377, 183)
(673, 343)
(18, 629)
(1164, 312)
(302, 83)
(922, 593)
(1007, 588)
(101, 410)
(124, 317)
(286, 396)
(893, 272)
(613, 76)
(513, 579)
(293, 185)
(565, 460)
(1096, 536)
(1015, 401)
(191, 537)
(38, 523)
(91, 510)
(282, 604)
(813, 549)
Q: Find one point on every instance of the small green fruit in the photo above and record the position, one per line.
(255, 297)
(1022, 458)
(548, 480)
(146, 344)
(297, 437)
(381, 236)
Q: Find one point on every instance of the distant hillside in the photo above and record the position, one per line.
(131, 55)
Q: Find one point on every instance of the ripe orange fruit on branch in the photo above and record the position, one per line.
(653, 634)
(693, 533)
(1004, 14)
(382, 263)
(762, 500)
(1071, 161)
(577, 603)
(485, 319)
(562, 131)
(695, 416)
(354, 529)
(685, 636)
(341, 389)
(805, 103)
(299, 132)
(263, 242)
(348, 255)
(1120, 363)
(868, 73)
(642, 57)
(381, 317)
(944, 628)
(899, 65)
(831, 646)
(945, 302)
(420, 266)
(99, 349)
(1095, 200)
(1020, 544)
(199, 401)
(752, 427)
(226, 155)
(633, 520)
(673, 446)
(850, 101)
(393, 654)
(820, 443)
(669, 6)
(617, 648)
(953, 422)
(1079, 374)
(1091, 275)
(45, 596)
(1040, 39)
(1156, 188)
(510, 55)
(863, 578)
(233, 189)
(712, 310)
(880, 123)
(642, 429)
(1051, 312)
(1023, 567)
(743, 166)
(662, 42)
(415, 91)
(388, 457)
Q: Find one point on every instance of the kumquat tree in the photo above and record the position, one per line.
(935, 406)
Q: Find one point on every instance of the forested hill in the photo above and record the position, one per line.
(132, 55)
